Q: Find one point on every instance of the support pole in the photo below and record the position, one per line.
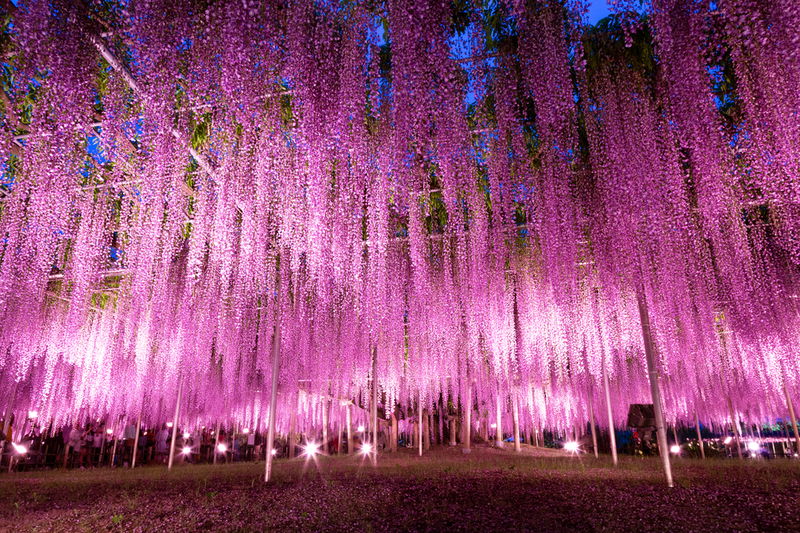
(793, 418)
(466, 446)
(216, 443)
(349, 424)
(515, 415)
(736, 432)
(592, 424)
(699, 436)
(375, 401)
(290, 439)
(325, 449)
(498, 439)
(393, 433)
(136, 440)
(116, 440)
(273, 395)
(655, 390)
(9, 411)
(340, 435)
(419, 421)
(611, 433)
(175, 426)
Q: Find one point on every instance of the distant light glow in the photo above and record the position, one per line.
(20, 448)
(366, 448)
(186, 435)
(186, 450)
(311, 449)
(169, 424)
(360, 429)
(274, 451)
(753, 446)
(675, 449)
(109, 431)
(493, 426)
(222, 448)
(728, 440)
(246, 431)
(572, 446)
(33, 414)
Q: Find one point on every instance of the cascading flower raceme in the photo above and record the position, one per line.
(458, 202)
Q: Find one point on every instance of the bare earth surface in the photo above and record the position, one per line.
(488, 490)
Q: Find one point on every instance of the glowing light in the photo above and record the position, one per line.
(246, 431)
(186, 450)
(727, 440)
(222, 448)
(311, 449)
(366, 448)
(675, 449)
(360, 429)
(571, 446)
(33, 414)
(753, 446)
(493, 426)
(274, 451)
(109, 431)
(186, 435)
(19, 448)
(169, 424)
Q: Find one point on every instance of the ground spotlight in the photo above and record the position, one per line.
(571, 446)
(311, 449)
(221, 448)
(366, 448)
(675, 449)
(274, 451)
(186, 450)
(19, 448)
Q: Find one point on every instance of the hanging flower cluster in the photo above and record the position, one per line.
(475, 194)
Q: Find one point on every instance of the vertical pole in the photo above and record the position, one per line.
(611, 433)
(290, 439)
(515, 415)
(419, 421)
(136, 439)
(699, 436)
(592, 423)
(499, 433)
(375, 400)
(793, 418)
(340, 448)
(325, 449)
(273, 395)
(394, 435)
(466, 446)
(175, 425)
(216, 443)
(9, 410)
(116, 440)
(736, 432)
(349, 424)
(655, 390)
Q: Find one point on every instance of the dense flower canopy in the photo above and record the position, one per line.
(471, 192)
